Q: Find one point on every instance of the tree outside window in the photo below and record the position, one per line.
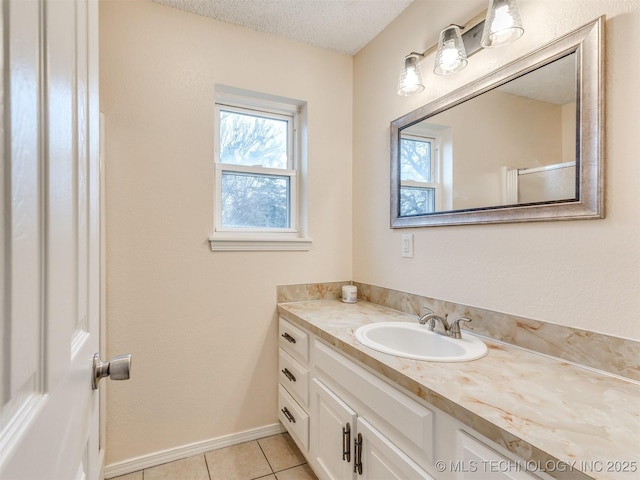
(417, 189)
(256, 169)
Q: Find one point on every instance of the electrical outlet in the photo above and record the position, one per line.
(407, 245)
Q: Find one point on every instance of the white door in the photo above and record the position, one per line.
(49, 245)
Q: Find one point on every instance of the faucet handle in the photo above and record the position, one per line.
(454, 329)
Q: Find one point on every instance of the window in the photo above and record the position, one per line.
(257, 167)
(418, 175)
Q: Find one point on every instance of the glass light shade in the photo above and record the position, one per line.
(503, 24)
(410, 81)
(451, 56)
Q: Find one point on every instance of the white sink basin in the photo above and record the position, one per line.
(412, 340)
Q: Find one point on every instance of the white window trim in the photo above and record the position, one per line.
(240, 239)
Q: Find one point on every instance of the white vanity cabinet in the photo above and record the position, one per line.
(361, 427)
(293, 391)
(351, 424)
(477, 459)
(332, 433)
(344, 445)
(383, 459)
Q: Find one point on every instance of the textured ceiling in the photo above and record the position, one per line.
(553, 83)
(342, 25)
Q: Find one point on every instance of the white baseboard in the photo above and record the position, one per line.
(178, 453)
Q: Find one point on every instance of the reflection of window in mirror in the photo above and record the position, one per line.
(425, 169)
(418, 179)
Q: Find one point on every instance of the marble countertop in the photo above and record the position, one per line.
(541, 408)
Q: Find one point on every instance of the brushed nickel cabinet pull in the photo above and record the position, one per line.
(288, 338)
(289, 375)
(288, 414)
(346, 442)
(357, 452)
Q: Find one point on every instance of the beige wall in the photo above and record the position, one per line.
(584, 274)
(496, 134)
(201, 325)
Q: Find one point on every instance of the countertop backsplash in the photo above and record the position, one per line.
(617, 356)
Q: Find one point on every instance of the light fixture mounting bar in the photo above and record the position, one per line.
(471, 36)
(472, 33)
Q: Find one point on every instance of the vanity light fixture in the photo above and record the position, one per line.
(499, 25)
(503, 24)
(451, 56)
(410, 81)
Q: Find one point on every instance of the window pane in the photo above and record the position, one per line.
(255, 201)
(415, 160)
(416, 201)
(253, 140)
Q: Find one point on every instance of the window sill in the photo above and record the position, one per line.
(241, 244)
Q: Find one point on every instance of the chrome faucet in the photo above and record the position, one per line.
(430, 319)
(450, 330)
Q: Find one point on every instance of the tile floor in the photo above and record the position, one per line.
(270, 458)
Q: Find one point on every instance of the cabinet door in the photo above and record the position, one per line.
(331, 444)
(481, 462)
(381, 459)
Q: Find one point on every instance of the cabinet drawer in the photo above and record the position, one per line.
(294, 377)
(294, 341)
(294, 418)
(405, 422)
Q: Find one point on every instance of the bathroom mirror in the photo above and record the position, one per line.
(521, 144)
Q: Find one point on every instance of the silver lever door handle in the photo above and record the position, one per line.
(119, 368)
